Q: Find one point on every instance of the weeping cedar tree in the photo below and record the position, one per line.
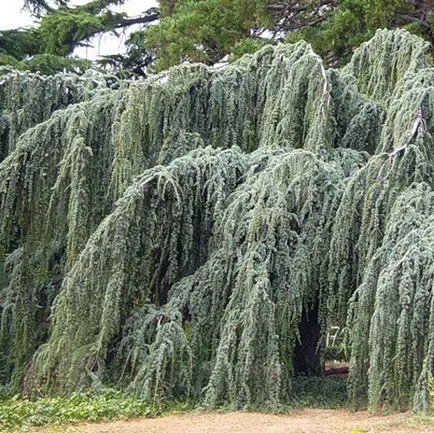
(194, 234)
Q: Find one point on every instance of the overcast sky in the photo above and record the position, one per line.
(12, 16)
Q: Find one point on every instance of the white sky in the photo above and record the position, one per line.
(12, 16)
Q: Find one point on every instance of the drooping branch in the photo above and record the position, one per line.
(291, 15)
(183, 232)
(37, 7)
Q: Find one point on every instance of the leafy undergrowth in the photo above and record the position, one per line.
(21, 415)
(317, 392)
(307, 392)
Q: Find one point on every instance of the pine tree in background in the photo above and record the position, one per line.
(207, 31)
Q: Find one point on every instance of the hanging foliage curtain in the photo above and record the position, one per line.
(175, 235)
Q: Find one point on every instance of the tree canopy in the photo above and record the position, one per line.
(355, 21)
(60, 30)
(207, 31)
(182, 236)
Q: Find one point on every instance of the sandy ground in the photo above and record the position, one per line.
(303, 421)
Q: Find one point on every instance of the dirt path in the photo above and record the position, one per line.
(303, 421)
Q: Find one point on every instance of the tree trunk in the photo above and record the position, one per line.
(307, 354)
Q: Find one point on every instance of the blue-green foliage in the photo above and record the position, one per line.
(176, 231)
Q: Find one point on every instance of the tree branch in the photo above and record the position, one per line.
(151, 15)
(415, 19)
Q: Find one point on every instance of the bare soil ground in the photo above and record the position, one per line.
(302, 421)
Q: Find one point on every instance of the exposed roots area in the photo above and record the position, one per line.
(194, 235)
